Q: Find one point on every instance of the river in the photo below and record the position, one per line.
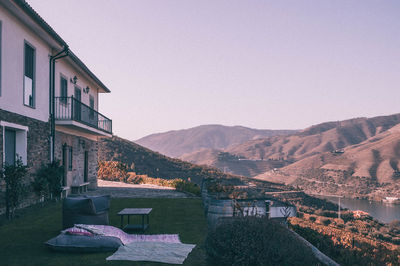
(384, 212)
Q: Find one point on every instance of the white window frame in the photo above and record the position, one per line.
(21, 140)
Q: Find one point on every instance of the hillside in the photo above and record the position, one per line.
(278, 151)
(179, 142)
(368, 169)
(153, 164)
(317, 139)
(231, 163)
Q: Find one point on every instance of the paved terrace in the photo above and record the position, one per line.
(124, 190)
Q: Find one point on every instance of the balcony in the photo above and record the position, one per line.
(71, 112)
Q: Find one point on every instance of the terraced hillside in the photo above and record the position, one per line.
(274, 152)
(367, 169)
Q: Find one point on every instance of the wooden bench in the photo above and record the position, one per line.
(64, 192)
(78, 189)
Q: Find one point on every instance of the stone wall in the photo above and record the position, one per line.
(79, 146)
(38, 149)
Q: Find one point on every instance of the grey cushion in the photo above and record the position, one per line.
(85, 210)
(84, 244)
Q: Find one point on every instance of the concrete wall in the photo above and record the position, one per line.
(14, 36)
(78, 149)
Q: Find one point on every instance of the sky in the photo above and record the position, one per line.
(175, 64)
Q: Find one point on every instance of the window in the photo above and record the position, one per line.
(14, 142)
(9, 146)
(69, 158)
(29, 75)
(63, 90)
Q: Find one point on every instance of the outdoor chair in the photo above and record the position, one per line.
(85, 210)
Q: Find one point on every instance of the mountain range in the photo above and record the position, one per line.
(177, 143)
(356, 157)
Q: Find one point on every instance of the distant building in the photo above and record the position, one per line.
(278, 209)
(49, 99)
(270, 208)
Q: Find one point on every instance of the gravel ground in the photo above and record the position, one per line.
(123, 190)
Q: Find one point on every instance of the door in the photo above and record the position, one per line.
(86, 167)
(77, 104)
(9, 146)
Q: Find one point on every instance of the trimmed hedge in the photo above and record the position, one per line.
(256, 241)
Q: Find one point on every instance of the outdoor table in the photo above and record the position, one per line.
(135, 211)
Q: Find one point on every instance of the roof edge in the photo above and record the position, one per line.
(46, 27)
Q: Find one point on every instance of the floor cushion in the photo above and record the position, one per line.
(84, 244)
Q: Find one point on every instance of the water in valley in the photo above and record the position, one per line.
(384, 212)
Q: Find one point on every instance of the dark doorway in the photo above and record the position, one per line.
(86, 167)
(65, 164)
(77, 104)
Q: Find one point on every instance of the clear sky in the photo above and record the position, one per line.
(174, 64)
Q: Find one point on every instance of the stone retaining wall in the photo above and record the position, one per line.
(38, 149)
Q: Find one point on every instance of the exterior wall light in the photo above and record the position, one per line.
(73, 80)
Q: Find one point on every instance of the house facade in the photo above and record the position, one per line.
(49, 99)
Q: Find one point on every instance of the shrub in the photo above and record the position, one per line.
(326, 213)
(347, 216)
(134, 179)
(255, 241)
(312, 218)
(187, 186)
(15, 188)
(353, 229)
(48, 180)
(112, 171)
(326, 222)
(394, 226)
(340, 225)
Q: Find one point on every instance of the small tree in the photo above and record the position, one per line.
(48, 180)
(15, 189)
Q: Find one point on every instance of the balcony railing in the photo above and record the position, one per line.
(69, 108)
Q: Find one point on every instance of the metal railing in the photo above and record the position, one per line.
(69, 108)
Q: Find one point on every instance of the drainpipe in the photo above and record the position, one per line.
(52, 64)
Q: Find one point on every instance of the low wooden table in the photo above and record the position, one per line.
(135, 211)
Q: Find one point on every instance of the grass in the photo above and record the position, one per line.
(21, 241)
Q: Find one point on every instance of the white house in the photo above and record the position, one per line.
(48, 98)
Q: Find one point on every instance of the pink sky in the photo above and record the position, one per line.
(264, 64)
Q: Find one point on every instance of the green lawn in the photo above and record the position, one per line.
(21, 240)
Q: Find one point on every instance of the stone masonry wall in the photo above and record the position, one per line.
(38, 149)
(79, 146)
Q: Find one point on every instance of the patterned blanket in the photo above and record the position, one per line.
(107, 230)
(174, 253)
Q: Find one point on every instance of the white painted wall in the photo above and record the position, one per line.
(63, 67)
(277, 212)
(14, 35)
